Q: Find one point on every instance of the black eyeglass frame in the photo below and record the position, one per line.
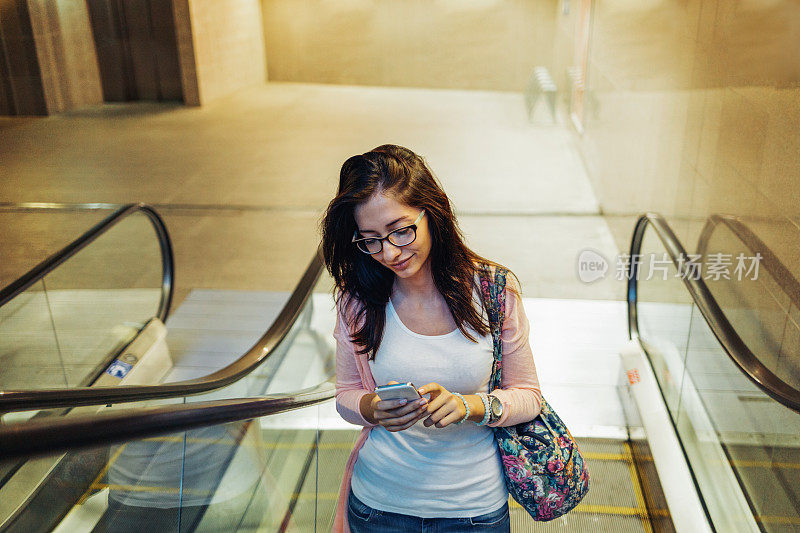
(381, 239)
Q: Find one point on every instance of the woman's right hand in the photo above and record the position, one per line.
(395, 415)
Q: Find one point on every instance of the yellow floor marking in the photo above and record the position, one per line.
(640, 511)
(101, 474)
(611, 510)
(198, 440)
(765, 464)
(637, 490)
(581, 508)
(145, 488)
(599, 456)
(261, 445)
(602, 456)
(789, 520)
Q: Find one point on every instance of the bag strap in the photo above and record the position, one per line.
(494, 298)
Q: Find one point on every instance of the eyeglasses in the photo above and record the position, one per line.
(399, 237)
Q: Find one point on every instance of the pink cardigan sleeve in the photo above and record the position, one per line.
(520, 393)
(349, 386)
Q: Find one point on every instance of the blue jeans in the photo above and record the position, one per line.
(364, 519)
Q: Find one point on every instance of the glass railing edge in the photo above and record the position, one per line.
(721, 327)
(16, 400)
(16, 287)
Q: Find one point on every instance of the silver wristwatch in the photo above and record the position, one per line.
(495, 408)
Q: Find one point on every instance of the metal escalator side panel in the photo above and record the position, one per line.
(679, 483)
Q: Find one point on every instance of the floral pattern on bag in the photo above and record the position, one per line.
(544, 469)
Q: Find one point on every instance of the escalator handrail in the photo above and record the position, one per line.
(17, 400)
(35, 274)
(725, 333)
(769, 260)
(56, 435)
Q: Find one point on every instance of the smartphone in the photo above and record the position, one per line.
(398, 391)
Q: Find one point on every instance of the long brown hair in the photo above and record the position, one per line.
(363, 285)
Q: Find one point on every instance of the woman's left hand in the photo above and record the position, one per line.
(444, 407)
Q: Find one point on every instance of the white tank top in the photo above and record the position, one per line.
(431, 472)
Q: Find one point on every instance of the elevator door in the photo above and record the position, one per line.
(136, 49)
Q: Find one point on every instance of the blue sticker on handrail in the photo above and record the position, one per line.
(119, 369)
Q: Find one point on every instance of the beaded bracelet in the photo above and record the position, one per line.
(487, 409)
(466, 406)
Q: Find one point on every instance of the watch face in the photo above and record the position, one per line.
(497, 407)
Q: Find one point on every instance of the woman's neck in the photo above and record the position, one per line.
(420, 286)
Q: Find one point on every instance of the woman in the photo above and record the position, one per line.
(409, 310)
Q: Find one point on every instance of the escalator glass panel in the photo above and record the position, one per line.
(742, 445)
(64, 330)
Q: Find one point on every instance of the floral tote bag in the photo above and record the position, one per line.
(544, 469)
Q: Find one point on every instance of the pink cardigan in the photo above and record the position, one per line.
(520, 392)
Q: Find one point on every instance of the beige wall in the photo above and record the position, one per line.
(693, 108)
(228, 46)
(463, 44)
